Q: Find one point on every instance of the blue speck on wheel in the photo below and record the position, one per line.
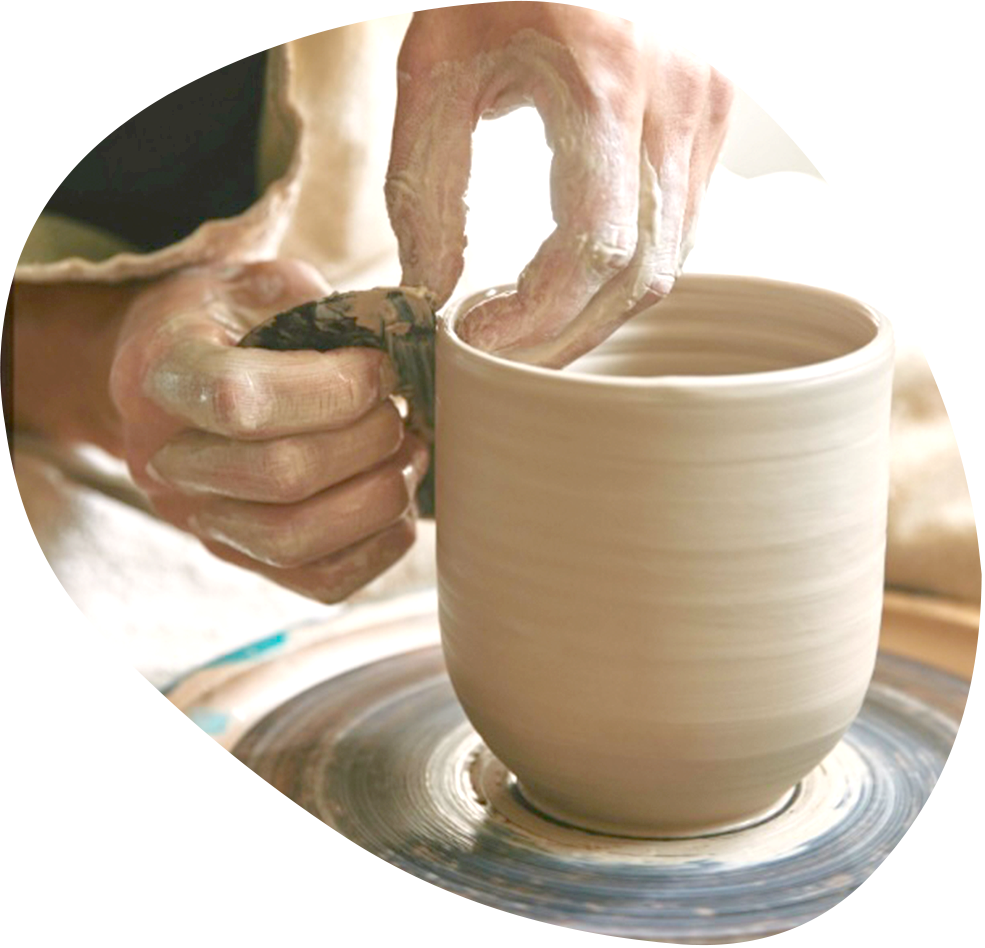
(248, 652)
(212, 722)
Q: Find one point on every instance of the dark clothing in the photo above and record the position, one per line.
(188, 158)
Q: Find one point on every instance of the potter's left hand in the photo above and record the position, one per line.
(295, 465)
(635, 129)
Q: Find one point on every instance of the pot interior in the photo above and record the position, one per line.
(732, 326)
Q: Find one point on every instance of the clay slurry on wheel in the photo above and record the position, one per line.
(383, 754)
(398, 320)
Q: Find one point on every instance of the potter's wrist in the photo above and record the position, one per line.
(65, 338)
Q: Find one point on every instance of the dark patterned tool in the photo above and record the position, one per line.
(398, 320)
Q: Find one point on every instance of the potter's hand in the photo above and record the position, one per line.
(635, 129)
(293, 464)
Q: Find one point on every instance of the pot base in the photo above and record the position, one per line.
(538, 805)
(356, 721)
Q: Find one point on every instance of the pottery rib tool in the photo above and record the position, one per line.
(398, 320)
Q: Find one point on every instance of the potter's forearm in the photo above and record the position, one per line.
(64, 341)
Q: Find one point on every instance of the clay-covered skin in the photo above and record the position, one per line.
(296, 465)
(399, 321)
(660, 571)
(635, 128)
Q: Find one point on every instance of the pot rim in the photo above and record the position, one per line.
(877, 350)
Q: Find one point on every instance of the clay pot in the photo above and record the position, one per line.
(661, 569)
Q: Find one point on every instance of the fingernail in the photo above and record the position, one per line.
(208, 527)
(661, 284)
(266, 287)
(400, 403)
(154, 474)
(411, 480)
(204, 525)
(396, 541)
(389, 380)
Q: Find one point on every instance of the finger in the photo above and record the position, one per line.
(594, 199)
(673, 131)
(202, 309)
(705, 152)
(256, 393)
(290, 536)
(281, 471)
(612, 305)
(683, 133)
(338, 576)
(428, 174)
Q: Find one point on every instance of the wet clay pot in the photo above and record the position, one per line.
(661, 569)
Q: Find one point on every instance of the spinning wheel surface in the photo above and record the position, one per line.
(381, 751)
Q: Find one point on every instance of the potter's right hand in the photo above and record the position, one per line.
(635, 128)
(293, 464)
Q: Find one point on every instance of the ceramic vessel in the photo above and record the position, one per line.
(660, 570)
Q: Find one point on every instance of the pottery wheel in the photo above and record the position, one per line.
(383, 753)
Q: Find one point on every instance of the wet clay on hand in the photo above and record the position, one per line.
(635, 127)
(398, 320)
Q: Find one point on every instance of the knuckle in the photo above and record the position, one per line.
(416, 52)
(613, 90)
(389, 491)
(391, 419)
(331, 594)
(608, 253)
(398, 190)
(389, 431)
(268, 540)
(126, 373)
(361, 565)
(282, 548)
(404, 483)
(347, 394)
(721, 95)
(690, 81)
(286, 471)
(235, 402)
(338, 580)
